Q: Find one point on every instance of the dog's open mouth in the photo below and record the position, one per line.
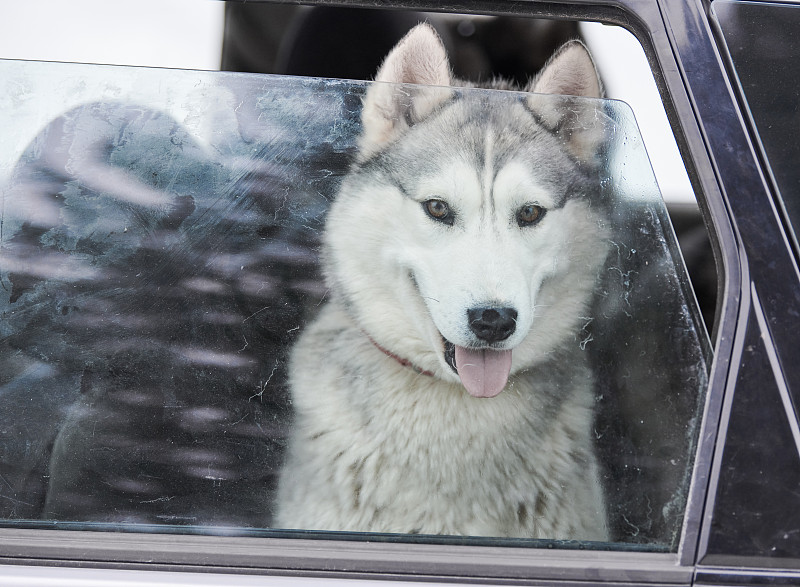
(483, 372)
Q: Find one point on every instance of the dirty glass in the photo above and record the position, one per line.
(757, 506)
(761, 39)
(174, 295)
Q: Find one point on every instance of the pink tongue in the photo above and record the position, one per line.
(483, 372)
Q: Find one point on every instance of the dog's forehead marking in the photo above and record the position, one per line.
(485, 191)
(509, 177)
(486, 169)
(487, 202)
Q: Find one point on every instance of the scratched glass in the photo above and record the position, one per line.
(159, 256)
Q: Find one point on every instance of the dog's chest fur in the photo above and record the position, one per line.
(379, 447)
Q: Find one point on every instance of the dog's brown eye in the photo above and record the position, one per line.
(438, 210)
(529, 214)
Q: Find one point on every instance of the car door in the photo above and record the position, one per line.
(154, 387)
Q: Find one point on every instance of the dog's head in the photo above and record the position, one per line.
(465, 240)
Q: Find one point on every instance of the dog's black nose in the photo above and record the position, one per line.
(492, 324)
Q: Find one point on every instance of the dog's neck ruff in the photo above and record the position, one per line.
(401, 360)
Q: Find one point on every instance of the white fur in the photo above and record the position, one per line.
(396, 451)
(377, 446)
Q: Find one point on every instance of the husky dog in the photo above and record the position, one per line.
(442, 389)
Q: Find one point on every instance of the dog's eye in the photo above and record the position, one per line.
(529, 214)
(438, 210)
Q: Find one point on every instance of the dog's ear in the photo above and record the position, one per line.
(419, 58)
(571, 72)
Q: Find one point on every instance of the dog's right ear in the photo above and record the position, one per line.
(419, 58)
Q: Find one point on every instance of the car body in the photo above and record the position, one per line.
(742, 519)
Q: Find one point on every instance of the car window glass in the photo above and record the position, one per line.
(761, 40)
(755, 510)
(163, 289)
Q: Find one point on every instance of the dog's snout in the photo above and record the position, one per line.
(492, 324)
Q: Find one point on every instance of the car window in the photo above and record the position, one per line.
(760, 40)
(200, 271)
(754, 511)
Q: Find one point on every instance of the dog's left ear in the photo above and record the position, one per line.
(570, 71)
(419, 58)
